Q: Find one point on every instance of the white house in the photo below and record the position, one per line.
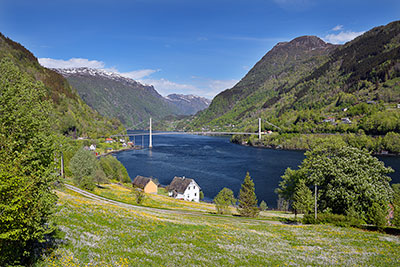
(184, 188)
(92, 147)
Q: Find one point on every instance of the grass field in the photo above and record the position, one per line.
(97, 233)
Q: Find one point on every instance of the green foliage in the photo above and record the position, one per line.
(334, 219)
(297, 90)
(139, 195)
(201, 195)
(131, 103)
(263, 206)
(87, 182)
(114, 170)
(26, 165)
(377, 215)
(73, 116)
(224, 200)
(348, 179)
(83, 167)
(247, 198)
(396, 205)
(303, 200)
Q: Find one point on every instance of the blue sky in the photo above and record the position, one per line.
(185, 46)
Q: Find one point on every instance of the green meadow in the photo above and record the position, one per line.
(95, 232)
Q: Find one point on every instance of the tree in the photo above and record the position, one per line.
(26, 165)
(303, 200)
(396, 204)
(201, 195)
(139, 195)
(114, 169)
(263, 206)
(83, 166)
(223, 200)
(349, 180)
(247, 198)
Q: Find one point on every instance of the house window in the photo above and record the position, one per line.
(195, 194)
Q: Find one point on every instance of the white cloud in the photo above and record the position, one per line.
(341, 37)
(337, 28)
(206, 88)
(138, 74)
(166, 87)
(71, 63)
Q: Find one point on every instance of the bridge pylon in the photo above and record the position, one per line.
(150, 136)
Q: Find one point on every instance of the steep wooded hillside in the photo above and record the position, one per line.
(308, 86)
(73, 116)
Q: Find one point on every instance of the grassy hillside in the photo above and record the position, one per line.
(95, 232)
(74, 116)
(305, 92)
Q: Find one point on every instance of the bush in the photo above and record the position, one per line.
(335, 219)
(139, 195)
(87, 183)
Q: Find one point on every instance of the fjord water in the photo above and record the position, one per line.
(216, 163)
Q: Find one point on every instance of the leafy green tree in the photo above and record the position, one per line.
(247, 198)
(396, 204)
(139, 195)
(224, 200)
(26, 165)
(303, 200)
(201, 195)
(263, 206)
(83, 166)
(348, 179)
(114, 169)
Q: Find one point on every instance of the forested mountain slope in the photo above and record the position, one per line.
(73, 116)
(308, 86)
(115, 96)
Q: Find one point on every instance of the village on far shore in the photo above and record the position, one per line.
(180, 188)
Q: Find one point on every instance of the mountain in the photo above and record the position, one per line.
(74, 117)
(285, 63)
(188, 104)
(113, 95)
(300, 84)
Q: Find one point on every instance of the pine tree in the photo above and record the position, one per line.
(303, 200)
(247, 198)
(263, 206)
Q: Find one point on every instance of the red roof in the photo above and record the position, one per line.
(109, 139)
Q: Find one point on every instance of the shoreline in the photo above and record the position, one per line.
(118, 150)
(294, 149)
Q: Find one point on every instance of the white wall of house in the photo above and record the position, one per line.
(192, 192)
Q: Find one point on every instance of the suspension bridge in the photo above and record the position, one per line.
(151, 133)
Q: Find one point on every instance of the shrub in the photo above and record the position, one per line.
(335, 219)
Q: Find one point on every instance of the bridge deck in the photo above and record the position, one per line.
(197, 133)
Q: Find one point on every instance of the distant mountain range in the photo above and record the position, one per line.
(188, 104)
(309, 86)
(113, 95)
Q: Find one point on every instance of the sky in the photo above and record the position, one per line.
(199, 47)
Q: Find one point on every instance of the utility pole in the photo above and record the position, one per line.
(62, 165)
(315, 201)
(259, 128)
(150, 137)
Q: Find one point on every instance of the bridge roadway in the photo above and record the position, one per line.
(197, 133)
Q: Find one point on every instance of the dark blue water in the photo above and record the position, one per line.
(216, 163)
